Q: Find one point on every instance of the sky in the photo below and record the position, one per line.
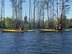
(8, 9)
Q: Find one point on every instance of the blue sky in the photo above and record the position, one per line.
(8, 9)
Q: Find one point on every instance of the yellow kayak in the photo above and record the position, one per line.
(53, 30)
(11, 30)
(14, 30)
(30, 30)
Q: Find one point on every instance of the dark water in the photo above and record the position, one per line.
(36, 43)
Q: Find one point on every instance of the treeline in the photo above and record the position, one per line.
(51, 23)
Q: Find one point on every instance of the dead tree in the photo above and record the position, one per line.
(29, 11)
(17, 10)
(2, 15)
(34, 13)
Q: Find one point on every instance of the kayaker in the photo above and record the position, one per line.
(60, 27)
(22, 28)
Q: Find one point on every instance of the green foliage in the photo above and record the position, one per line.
(25, 19)
(63, 20)
(26, 26)
(8, 22)
(70, 23)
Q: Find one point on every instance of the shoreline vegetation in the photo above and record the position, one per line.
(43, 14)
(11, 25)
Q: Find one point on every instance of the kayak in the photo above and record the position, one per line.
(30, 30)
(53, 30)
(11, 30)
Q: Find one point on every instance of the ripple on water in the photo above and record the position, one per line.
(36, 43)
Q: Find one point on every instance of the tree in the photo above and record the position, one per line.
(8, 22)
(25, 19)
(70, 23)
(62, 20)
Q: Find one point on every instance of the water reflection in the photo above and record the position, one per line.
(17, 44)
(36, 43)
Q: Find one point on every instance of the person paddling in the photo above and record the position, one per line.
(59, 27)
